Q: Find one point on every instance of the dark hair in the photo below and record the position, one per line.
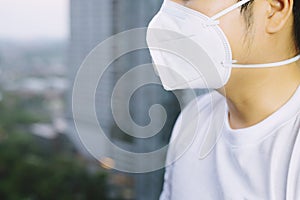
(247, 11)
(296, 11)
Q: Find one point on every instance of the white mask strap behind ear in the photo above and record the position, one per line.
(231, 8)
(275, 64)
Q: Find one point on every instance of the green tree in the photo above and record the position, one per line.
(29, 169)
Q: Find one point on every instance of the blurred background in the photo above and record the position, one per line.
(42, 45)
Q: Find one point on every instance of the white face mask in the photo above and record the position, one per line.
(190, 50)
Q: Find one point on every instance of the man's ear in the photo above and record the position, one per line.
(279, 13)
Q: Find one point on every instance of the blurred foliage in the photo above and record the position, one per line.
(34, 168)
(17, 113)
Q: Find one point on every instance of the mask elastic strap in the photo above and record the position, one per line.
(227, 10)
(275, 64)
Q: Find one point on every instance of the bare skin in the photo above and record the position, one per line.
(254, 94)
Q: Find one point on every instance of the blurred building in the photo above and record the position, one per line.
(93, 21)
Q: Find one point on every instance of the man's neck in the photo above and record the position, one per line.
(254, 94)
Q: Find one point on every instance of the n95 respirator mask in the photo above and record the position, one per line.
(190, 50)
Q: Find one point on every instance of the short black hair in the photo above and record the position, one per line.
(296, 13)
(247, 11)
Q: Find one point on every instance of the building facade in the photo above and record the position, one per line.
(91, 22)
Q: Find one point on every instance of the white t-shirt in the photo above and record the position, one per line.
(259, 162)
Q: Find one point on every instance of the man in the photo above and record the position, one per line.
(253, 47)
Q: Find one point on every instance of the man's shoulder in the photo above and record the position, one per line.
(193, 124)
(199, 109)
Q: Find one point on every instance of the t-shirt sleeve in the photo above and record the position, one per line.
(182, 132)
(166, 192)
(293, 185)
(297, 168)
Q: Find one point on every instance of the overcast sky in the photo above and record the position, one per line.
(34, 19)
